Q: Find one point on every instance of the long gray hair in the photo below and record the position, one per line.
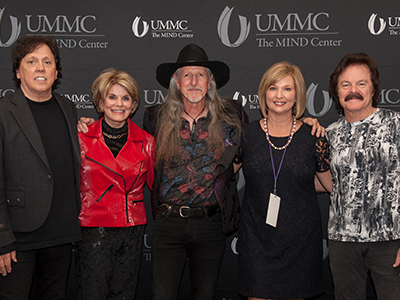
(168, 125)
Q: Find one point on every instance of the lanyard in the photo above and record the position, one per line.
(273, 166)
(276, 174)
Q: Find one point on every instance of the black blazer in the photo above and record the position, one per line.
(26, 185)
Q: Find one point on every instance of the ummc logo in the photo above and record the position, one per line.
(393, 25)
(292, 22)
(81, 101)
(312, 103)
(389, 97)
(252, 100)
(223, 24)
(61, 24)
(15, 30)
(146, 247)
(162, 29)
(371, 25)
(83, 98)
(68, 32)
(157, 97)
(135, 27)
(327, 101)
(274, 25)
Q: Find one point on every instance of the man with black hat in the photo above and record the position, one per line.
(194, 197)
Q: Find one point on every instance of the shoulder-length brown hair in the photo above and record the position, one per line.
(355, 59)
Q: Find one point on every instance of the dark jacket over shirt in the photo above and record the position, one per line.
(26, 184)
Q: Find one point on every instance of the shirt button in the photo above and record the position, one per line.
(48, 177)
(1, 226)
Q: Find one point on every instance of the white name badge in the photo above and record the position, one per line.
(273, 210)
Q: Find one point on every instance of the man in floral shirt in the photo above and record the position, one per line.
(194, 195)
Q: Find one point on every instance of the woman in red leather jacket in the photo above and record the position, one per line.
(117, 159)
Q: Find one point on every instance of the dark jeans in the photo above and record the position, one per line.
(176, 240)
(108, 262)
(44, 272)
(350, 263)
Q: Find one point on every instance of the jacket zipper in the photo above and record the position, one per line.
(105, 192)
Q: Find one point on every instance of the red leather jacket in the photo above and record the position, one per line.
(112, 188)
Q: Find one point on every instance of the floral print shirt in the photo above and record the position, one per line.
(188, 179)
(365, 199)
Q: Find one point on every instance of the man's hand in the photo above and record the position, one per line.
(397, 261)
(317, 129)
(83, 124)
(5, 262)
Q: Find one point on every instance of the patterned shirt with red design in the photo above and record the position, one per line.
(189, 178)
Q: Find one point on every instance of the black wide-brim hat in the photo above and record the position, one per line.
(193, 55)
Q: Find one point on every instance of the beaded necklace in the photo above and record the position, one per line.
(292, 130)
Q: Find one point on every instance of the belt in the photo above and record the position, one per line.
(190, 212)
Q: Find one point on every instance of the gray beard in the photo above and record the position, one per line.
(197, 100)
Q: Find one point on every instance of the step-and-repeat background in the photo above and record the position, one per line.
(250, 36)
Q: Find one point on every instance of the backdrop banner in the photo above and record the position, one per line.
(250, 36)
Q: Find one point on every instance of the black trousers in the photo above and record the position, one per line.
(38, 274)
(177, 241)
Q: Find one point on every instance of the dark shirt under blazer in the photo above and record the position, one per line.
(26, 185)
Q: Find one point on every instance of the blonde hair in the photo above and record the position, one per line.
(106, 80)
(275, 73)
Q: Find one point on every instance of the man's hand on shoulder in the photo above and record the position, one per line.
(83, 124)
(317, 129)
